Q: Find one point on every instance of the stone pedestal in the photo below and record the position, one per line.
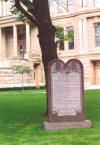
(66, 96)
(67, 125)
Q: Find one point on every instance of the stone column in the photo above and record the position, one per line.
(4, 8)
(81, 33)
(15, 40)
(84, 3)
(28, 38)
(65, 42)
(85, 32)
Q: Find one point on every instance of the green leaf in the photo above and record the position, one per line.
(21, 69)
(60, 34)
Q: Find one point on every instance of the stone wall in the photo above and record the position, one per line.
(9, 79)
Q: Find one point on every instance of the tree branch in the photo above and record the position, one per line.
(29, 3)
(29, 16)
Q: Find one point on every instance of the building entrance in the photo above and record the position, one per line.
(22, 45)
(21, 40)
(36, 74)
(96, 72)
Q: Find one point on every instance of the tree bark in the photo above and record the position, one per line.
(48, 49)
(46, 35)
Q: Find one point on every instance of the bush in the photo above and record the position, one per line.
(20, 88)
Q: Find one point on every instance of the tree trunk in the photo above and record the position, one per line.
(46, 35)
(48, 49)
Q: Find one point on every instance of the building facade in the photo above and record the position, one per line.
(19, 43)
(18, 46)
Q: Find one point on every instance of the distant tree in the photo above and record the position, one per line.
(21, 69)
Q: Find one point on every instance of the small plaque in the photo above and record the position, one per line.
(65, 91)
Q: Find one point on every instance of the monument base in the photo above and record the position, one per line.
(67, 125)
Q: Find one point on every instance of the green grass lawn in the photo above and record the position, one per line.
(22, 115)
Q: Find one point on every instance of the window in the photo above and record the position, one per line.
(61, 42)
(57, 7)
(97, 3)
(70, 5)
(1, 8)
(97, 34)
(52, 6)
(5, 7)
(71, 40)
(61, 6)
(83, 3)
(61, 45)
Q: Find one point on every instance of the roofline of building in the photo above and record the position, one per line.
(89, 11)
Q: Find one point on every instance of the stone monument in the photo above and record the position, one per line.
(65, 95)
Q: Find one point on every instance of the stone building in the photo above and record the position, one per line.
(18, 46)
(19, 43)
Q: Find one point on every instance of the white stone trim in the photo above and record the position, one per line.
(15, 39)
(28, 43)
